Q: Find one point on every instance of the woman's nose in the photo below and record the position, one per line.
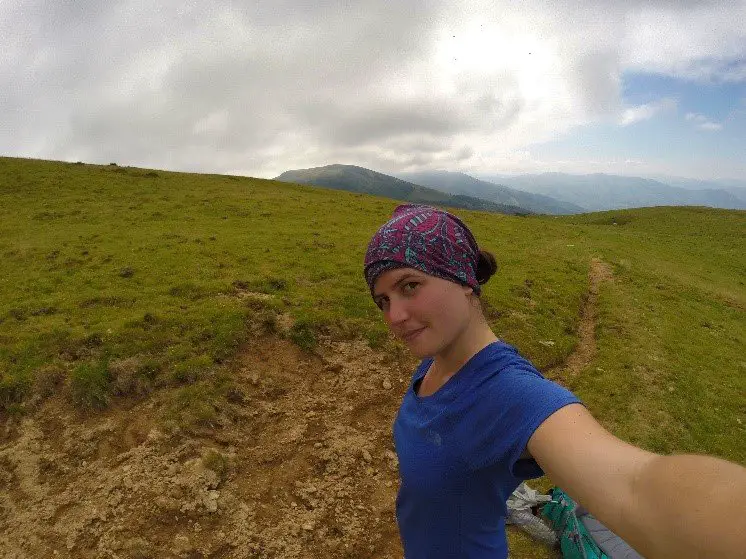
(397, 311)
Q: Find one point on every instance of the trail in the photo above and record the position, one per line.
(585, 351)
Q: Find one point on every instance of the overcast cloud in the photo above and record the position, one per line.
(225, 87)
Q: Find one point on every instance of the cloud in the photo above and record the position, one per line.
(701, 122)
(647, 111)
(258, 88)
(699, 41)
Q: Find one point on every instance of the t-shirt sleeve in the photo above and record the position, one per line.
(511, 407)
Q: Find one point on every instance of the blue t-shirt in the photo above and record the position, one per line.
(459, 453)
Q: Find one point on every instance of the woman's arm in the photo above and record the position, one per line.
(664, 506)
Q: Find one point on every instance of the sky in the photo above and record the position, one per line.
(654, 87)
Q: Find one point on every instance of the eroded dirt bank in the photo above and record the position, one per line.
(301, 465)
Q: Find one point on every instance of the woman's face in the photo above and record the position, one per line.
(426, 312)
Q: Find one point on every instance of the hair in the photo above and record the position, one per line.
(486, 267)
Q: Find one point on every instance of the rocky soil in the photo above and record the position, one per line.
(300, 464)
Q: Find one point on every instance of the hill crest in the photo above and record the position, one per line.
(366, 181)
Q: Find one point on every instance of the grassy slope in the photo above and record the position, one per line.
(103, 263)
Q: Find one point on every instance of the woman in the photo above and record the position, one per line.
(478, 419)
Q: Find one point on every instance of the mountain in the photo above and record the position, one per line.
(598, 192)
(732, 186)
(461, 183)
(359, 179)
(698, 184)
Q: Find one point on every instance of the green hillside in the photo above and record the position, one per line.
(105, 262)
(365, 181)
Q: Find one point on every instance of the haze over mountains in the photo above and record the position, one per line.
(599, 191)
(359, 179)
(549, 193)
(461, 183)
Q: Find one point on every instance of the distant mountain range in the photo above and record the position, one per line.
(549, 193)
(359, 179)
(599, 192)
(461, 183)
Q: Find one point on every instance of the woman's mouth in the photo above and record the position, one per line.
(413, 334)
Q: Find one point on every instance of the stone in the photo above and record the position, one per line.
(210, 500)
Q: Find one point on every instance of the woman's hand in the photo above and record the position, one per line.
(663, 506)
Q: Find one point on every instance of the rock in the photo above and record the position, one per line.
(387, 384)
(154, 435)
(366, 456)
(166, 504)
(308, 526)
(210, 500)
(181, 545)
(211, 479)
(137, 548)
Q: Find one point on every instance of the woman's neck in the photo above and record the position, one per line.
(469, 343)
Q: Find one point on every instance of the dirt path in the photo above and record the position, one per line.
(584, 352)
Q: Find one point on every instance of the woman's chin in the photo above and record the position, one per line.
(418, 345)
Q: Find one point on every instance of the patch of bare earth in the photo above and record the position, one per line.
(301, 465)
(585, 350)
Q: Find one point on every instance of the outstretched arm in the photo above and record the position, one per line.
(664, 506)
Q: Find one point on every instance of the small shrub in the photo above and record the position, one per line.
(48, 380)
(216, 462)
(44, 311)
(277, 284)
(268, 322)
(149, 320)
(12, 392)
(303, 335)
(523, 291)
(376, 338)
(18, 314)
(194, 405)
(151, 175)
(129, 378)
(89, 386)
(93, 340)
(126, 272)
(192, 369)
(188, 291)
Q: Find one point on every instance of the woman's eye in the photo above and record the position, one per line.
(409, 287)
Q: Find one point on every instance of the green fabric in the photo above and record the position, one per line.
(575, 542)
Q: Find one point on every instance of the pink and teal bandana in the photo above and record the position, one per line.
(427, 239)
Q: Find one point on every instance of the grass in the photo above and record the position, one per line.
(117, 281)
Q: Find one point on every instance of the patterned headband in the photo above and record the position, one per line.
(427, 239)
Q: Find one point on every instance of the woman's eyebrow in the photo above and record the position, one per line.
(400, 280)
